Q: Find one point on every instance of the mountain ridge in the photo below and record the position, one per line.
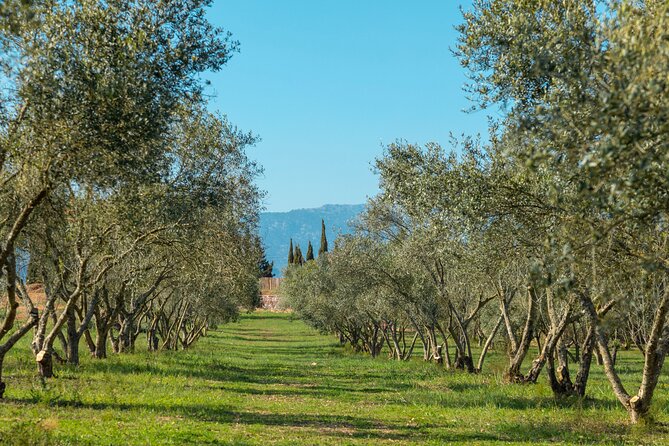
(303, 225)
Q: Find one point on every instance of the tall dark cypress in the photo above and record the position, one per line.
(265, 268)
(324, 240)
(299, 259)
(291, 256)
(310, 252)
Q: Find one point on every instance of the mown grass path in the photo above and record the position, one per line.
(272, 380)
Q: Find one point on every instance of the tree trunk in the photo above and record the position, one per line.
(409, 352)
(513, 371)
(446, 353)
(614, 354)
(45, 364)
(488, 343)
(583, 373)
(115, 342)
(463, 359)
(90, 343)
(399, 353)
(72, 351)
(152, 340)
(507, 324)
(10, 316)
(548, 349)
(126, 335)
(466, 360)
(638, 405)
(3, 386)
(560, 379)
(435, 349)
(426, 348)
(101, 343)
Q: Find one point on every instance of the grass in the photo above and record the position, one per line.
(271, 380)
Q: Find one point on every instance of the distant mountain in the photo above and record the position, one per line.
(302, 225)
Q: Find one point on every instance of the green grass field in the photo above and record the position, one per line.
(271, 380)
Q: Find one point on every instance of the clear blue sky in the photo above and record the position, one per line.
(327, 83)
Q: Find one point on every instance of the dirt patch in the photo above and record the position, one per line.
(38, 297)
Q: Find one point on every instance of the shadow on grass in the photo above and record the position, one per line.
(348, 426)
(296, 380)
(262, 339)
(267, 360)
(302, 380)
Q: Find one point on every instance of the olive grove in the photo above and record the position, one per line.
(129, 203)
(553, 234)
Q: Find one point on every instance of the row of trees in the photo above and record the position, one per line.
(295, 256)
(132, 205)
(554, 233)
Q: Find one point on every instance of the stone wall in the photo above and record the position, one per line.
(269, 292)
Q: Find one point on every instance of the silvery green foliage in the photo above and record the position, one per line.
(566, 207)
(137, 206)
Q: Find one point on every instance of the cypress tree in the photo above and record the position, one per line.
(291, 257)
(265, 268)
(299, 259)
(324, 240)
(310, 252)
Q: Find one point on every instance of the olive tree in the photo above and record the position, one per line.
(582, 82)
(89, 94)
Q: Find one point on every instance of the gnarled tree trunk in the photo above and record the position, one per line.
(517, 355)
(638, 406)
(10, 316)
